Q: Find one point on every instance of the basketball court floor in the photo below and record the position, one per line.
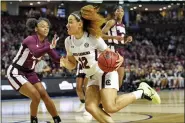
(171, 110)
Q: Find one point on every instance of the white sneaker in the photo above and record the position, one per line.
(81, 107)
(149, 93)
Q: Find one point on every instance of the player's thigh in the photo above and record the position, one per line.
(30, 91)
(40, 88)
(108, 97)
(92, 96)
(109, 86)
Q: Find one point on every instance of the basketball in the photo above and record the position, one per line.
(107, 61)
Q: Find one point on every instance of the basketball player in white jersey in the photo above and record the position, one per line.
(84, 30)
(115, 34)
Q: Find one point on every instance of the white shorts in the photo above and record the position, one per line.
(104, 80)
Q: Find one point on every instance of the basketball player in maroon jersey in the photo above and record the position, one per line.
(85, 37)
(21, 73)
(81, 83)
(115, 34)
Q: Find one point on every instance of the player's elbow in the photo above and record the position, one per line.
(72, 66)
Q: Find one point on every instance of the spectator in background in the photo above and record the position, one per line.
(42, 68)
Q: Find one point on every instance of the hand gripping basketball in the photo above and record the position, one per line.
(109, 61)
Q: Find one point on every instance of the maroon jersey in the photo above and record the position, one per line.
(116, 30)
(31, 49)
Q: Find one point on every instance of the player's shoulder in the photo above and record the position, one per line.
(111, 22)
(68, 39)
(28, 39)
(93, 39)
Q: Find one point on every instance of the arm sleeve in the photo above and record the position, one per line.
(67, 46)
(32, 46)
(101, 45)
(54, 55)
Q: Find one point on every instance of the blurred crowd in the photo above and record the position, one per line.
(163, 17)
(156, 55)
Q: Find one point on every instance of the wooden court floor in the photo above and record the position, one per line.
(171, 110)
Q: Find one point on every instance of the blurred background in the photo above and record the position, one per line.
(155, 56)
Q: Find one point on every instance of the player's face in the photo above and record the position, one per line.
(43, 28)
(73, 26)
(119, 13)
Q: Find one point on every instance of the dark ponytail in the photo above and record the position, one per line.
(31, 23)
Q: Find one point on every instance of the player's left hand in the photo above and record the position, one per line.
(119, 61)
(129, 39)
(54, 41)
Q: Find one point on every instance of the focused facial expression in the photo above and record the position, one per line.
(42, 28)
(73, 26)
(119, 13)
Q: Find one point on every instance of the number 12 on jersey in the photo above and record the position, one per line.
(83, 61)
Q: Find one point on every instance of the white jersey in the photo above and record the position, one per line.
(85, 51)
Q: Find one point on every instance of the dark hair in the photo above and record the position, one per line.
(92, 21)
(31, 23)
(111, 10)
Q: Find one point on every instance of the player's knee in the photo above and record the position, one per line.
(90, 107)
(110, 108)
(36, 97)
(44, 95)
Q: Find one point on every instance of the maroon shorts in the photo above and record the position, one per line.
(17, 78)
